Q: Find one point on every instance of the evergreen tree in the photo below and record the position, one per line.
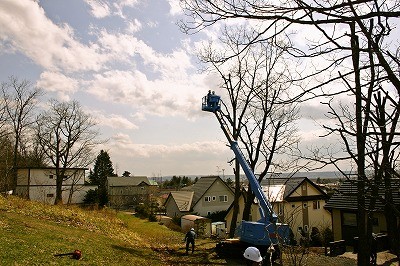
(102, 169)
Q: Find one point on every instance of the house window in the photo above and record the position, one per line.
(305, 205)
(207, 199)
(208, 213)
(293, 206)
(50, 195)
(51, 176)
(223, 198)
(214, 198)
(306, 228)
(316, 205)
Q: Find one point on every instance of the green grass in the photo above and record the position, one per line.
(31, 233)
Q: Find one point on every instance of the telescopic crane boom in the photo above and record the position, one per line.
(266, 231)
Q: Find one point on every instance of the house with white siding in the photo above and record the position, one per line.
(208, 195)
(39, 184)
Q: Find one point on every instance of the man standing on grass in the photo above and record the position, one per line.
(189, 239)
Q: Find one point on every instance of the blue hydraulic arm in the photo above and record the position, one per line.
(212, 103)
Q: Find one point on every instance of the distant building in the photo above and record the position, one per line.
(178, 203)
(128, 192)
(297, 201)
(201, 225)
(39, 184)
(208, 195)
(343, 205)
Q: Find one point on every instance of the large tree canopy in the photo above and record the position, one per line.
(66, 136)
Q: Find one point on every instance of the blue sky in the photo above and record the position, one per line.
(131, 68)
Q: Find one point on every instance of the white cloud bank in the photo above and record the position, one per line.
(24, 26)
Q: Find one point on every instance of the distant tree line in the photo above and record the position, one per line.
(177, 182)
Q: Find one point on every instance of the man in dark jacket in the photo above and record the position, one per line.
(189, 239)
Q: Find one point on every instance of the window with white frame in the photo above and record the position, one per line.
(207, 198)
(51, 176)
(223, 198)
(214, 198)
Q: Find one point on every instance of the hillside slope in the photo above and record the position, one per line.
(32, 233)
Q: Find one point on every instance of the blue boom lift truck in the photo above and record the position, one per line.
(266, 232)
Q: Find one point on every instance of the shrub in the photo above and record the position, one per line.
(91, 197)
(327, 236)
(315, 237)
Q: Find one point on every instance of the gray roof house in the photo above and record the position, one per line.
(208, 195)
(127, 192)
(297, 201)
(343, 206)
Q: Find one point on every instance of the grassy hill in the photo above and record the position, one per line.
(32, 233)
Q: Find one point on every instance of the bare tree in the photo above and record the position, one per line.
(4, 131)
(66, 136)
(19, 98)
(259, 116)
(351, 49)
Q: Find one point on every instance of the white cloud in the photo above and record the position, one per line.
(152, 24)
(175, 7)
(113, 121)
(104, 8)
(125, 145)
(99, 9)
(163, 97)
(121, 4)
(134, 26)
(25, 26)
(56, 82)
(125, 3)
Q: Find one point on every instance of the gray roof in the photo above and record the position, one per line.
(346, 197)
(183, 199)
(201, 186)
(117, 181)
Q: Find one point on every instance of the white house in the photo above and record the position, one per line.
(39, 184)
(208, 195)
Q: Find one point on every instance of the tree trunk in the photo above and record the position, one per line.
(235, 200)
(247, 204)
(363, 250)
(59, 182)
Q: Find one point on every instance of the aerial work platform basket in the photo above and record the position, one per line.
(211, 102)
